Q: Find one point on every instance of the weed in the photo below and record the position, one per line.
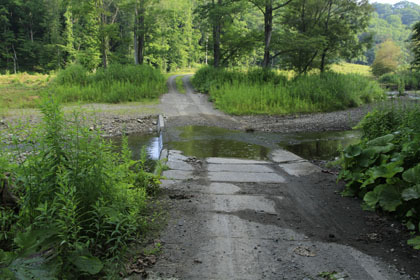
(80, 203)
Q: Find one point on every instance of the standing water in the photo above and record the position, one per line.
(202, 142)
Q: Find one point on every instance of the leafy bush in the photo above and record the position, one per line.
(384, 169)
(79, 206)
(262, 91)
(117, 83)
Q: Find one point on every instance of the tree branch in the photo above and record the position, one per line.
(282, 5)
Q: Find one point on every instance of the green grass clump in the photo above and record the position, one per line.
(117, 83)
(180, 85)
(74, 204)
(384, 169)
(266, 92)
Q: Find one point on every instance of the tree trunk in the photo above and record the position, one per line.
(141, 34)
(268, 30)
(216, 44)
(15, 61)
(217, 27)
(324, 52)
(323, 57)
(136, 47)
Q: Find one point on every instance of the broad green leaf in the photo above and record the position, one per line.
(415, 242)
(381, 141)
(352, 151)
(382, 149)
(390, 198)
(410, 225)
(412, 175)
(387, 170)
(33, 268)
(411, 193)
(89, 264)
(371, 199)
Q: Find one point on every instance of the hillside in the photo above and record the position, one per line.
(394, 22)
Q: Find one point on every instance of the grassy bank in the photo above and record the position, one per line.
(72, 207)
(384, 169)
(265, 92)
(117, 83)
(402, 80)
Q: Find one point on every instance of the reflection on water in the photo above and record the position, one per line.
(320, 145)
(220, 148)
(152, 143)
(202, 142)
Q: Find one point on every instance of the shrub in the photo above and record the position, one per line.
(80, 203)
(384, 169)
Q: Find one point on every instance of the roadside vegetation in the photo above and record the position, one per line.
(71, 206)
(262, 91)
(116, 83)
(384, 168)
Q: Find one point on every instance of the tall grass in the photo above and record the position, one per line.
(117, 83)
(265, 92)
(409, 80)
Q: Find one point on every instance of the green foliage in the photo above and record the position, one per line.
(265, 92)
(80, 203)
(386, 59)
(116, 83)
(384, 168)
(410, 80)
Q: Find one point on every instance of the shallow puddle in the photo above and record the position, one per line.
(203, 142)
(320, 145)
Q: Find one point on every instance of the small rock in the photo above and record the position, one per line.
(154, 122)
(140, 121)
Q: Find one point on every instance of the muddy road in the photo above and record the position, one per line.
(279, 218)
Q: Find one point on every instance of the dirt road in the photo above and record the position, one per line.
(277, 219)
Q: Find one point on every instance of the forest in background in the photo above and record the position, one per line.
(45, 35)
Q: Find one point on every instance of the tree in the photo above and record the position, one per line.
(268, 7)
(231, 36)
(386, 59)
(415, 45)
(319, 32)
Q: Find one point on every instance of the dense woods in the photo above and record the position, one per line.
(45, 35)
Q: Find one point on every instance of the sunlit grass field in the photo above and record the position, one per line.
(21, 90)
